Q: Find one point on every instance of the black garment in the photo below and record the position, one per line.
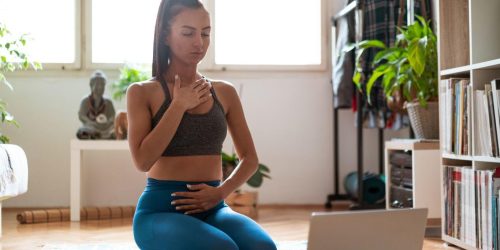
(197, 134)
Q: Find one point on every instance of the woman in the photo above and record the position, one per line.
(177, 124)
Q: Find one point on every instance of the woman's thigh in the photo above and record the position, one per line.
(173, 231)
(247, 234)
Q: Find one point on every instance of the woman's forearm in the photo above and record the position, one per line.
(245, 169)
(153, 145)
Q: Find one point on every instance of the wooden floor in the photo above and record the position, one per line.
(284, 223)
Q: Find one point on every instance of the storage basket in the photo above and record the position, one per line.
(424, 121)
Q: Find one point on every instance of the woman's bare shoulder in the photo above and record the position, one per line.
(141, 89)
(224, 88)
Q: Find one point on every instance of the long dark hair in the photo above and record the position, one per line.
(161, 52)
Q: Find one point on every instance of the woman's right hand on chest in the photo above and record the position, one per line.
(192, 95)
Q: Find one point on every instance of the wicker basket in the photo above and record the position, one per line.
(424, 121)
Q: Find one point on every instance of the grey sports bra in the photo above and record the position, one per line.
(197, 134)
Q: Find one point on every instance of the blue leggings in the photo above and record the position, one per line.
(158, 226)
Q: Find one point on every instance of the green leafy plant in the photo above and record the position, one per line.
(409, 67)
(229, 163)
(128, 75)
(12, 57)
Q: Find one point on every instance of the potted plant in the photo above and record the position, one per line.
(12, 58)
(244, 202)
(408, 72)
(128, 75)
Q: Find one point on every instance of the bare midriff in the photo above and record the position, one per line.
(187, 168)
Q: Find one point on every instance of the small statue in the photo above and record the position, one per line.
(97, 113)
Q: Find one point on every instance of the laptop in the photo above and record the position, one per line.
(394, 229)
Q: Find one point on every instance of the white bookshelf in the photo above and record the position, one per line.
(469, 46)
(456, 71)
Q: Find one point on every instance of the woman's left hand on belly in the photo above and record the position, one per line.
(201, 198)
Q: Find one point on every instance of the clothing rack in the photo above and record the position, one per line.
(357, 7)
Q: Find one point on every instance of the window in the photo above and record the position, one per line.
(51, 24)
(122, 31)
(264, 32)
(257, 34)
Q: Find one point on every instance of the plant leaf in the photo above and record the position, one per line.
(263, 168)
(389, 54)
(379, 71)
(349, 47)
(416, 55)
(4, 80)
(256, 180)
(372, 44)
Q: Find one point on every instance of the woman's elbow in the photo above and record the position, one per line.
(252, 160)
(142, 165)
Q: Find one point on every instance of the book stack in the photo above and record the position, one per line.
(456, 94)
(471, 205)
(487, 103)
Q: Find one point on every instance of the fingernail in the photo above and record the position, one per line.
(177, 208)
(176, 77)
(172, 194)
(172, 203)
(189, 186)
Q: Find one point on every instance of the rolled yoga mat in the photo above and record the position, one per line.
(86, 213)
(373, 187)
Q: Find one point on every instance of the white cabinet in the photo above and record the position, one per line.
(421, 176)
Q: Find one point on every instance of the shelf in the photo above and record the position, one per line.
(425, 175)
(493, 64)
(99, 144)
(456, 71)
(457, 157)
(487, 159)
(456, 242)
(471, 158)
(412, 144)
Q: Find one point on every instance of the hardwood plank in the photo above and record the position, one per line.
(283, 222)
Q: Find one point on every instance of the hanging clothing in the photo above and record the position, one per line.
(343, 87)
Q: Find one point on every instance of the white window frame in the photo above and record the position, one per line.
(87, 48)
(208, 64)
(83, 47)
(76, 64)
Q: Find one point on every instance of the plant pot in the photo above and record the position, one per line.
(243, 202)
(424, 121)
(121, 125)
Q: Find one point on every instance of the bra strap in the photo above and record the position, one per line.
(212, 90)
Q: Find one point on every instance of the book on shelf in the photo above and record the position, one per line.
(495, 95)
(456, 94)
(487, 120)
(471, 200)
(491, 119)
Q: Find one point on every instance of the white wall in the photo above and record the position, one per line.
(289, 114)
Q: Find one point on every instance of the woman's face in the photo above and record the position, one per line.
(189, 35)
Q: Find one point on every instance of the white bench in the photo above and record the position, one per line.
(13, 173)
